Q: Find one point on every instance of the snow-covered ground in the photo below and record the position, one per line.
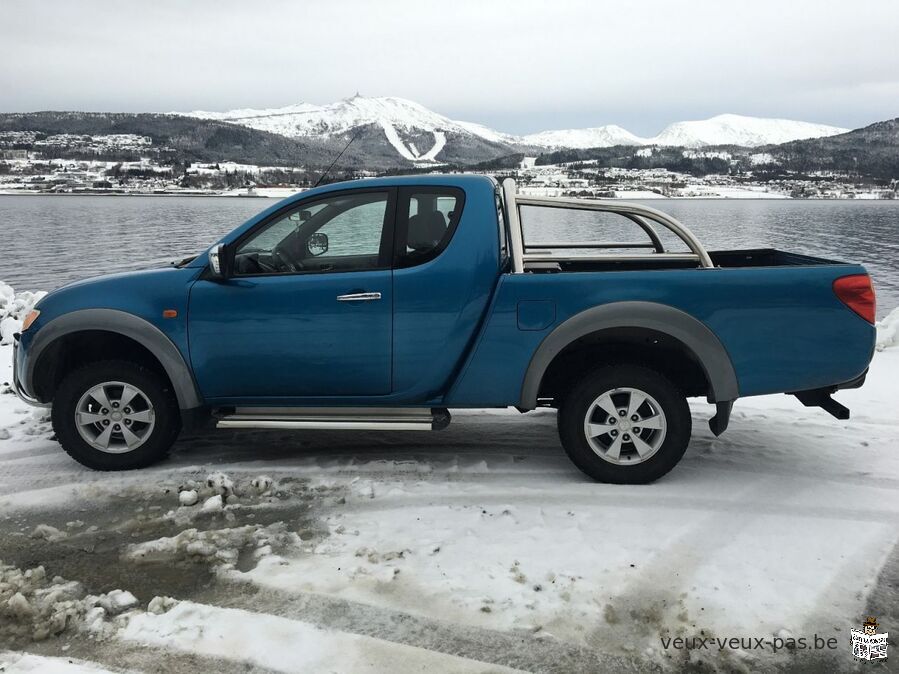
(479, 548)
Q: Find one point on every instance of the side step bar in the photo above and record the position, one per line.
(337, 418)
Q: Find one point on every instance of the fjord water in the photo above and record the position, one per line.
(51, 240)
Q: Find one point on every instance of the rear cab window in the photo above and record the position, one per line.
(426, 221)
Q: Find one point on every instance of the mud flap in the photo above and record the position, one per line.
(718, 423)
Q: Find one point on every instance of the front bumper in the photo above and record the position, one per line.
(16, 384)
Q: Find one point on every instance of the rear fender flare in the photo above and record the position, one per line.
(695, 335)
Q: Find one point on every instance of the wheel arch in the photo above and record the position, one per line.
(609, 322)
(49, 345)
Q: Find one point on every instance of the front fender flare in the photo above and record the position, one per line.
(121, 322)
(695, 335)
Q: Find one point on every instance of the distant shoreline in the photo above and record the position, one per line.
(29, 193)
(13, 193)
(16, 193)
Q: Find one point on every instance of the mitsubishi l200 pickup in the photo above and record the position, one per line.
(381, 304)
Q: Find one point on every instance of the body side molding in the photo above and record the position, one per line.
(128, 325)
(695, 335)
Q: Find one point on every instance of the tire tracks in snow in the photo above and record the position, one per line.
(122, 656)
(518, 650)
(631, 498)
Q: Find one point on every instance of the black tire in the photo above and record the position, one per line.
(673, 404)
(167, 417)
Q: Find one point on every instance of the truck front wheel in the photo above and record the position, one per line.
(625, 424)
(115, 415)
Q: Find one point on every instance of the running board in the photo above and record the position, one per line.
(338, 418)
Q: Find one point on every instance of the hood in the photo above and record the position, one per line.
(144, 293)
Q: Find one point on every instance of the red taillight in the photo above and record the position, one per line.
(857, 293)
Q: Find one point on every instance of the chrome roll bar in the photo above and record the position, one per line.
(642, 216)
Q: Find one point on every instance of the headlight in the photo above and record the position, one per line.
(30, 318)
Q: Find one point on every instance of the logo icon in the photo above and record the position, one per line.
(867, 644)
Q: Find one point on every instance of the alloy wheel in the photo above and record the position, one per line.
(625, 426)
(115, 417)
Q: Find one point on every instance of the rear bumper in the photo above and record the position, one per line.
(17, 386)
(853, 383)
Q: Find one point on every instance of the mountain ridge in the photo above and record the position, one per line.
(399, 115)
(872, 151)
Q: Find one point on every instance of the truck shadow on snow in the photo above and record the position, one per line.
(474, 441)
(487, 443)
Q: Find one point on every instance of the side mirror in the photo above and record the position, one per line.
(219, 262)
(317, 244)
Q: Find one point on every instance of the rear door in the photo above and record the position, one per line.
(308, 312)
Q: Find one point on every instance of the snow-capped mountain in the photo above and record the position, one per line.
(306, 119)
(487, 133)
(719, 130)
(408, 131)
(600, 136)
(740, 130)
(415, 132)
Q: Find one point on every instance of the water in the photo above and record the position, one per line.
(51, 240)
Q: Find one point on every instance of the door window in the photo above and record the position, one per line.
(345, 232)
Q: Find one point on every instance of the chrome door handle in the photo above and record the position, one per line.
(359, 297)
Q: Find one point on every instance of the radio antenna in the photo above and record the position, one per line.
(328, 170)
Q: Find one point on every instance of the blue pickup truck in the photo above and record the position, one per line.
(380, 304)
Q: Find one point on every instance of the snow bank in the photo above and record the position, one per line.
(26, 663)
(48, 533)
(227, 491)
(13, 309)
(220, 547)
(280, 644)
(188, 497)
(888, 330)
(34, 607)
(213, 504)
(219, 493)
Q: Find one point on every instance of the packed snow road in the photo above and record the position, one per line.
(479, 548)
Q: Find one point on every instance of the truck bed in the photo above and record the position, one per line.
(727, 259)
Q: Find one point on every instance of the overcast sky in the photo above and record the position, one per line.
(516, 66)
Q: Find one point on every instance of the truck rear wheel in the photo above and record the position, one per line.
(115, 415)
(625, 424)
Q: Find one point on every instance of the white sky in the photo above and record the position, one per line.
(517, 66)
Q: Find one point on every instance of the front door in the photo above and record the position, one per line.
(308, 309)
